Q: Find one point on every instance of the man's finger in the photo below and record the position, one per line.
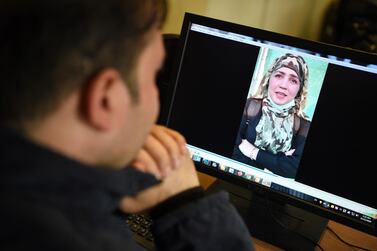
(170, 143)
(159, 154)
(145, 163)
(177, 137)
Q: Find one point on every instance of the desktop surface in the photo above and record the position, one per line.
(328, 240)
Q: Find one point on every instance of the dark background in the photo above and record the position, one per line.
(340, 152)
(213, 84)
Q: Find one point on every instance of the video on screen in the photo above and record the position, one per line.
(278, 111)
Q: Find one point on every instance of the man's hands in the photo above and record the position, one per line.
(162, 152)
(180, 179)
(165, 155)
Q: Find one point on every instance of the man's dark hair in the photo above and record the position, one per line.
(48, 49)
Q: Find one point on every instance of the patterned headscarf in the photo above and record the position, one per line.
(275, 128)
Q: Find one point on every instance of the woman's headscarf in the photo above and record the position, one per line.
(275, 128)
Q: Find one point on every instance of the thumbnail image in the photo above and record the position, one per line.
(223, 168)
(206, 162)
(196, 158)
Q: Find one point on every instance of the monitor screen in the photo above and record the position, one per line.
(285, 115)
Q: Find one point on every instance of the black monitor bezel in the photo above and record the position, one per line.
(325, 49)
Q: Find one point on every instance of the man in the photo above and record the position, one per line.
(78, 144)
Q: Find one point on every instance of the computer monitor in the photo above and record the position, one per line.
(287, 119)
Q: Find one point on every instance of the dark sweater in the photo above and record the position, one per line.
(50, 202)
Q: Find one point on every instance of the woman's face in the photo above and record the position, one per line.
(283, 86)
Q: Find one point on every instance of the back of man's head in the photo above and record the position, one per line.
(49, 49)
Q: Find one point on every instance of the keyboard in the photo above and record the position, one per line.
(140, 225)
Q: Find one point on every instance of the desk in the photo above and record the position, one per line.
(328, 241)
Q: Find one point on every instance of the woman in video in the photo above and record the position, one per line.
(274, 128)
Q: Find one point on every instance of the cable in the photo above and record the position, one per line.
(345, 242)
(291, 230)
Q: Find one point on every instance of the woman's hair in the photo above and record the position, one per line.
(297, 64)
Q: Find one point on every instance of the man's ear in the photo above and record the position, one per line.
(101, 99)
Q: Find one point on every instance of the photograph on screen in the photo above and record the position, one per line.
(279, 108)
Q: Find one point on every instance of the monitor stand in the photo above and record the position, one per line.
(270, 221)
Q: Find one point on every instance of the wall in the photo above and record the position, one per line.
(301, 18)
